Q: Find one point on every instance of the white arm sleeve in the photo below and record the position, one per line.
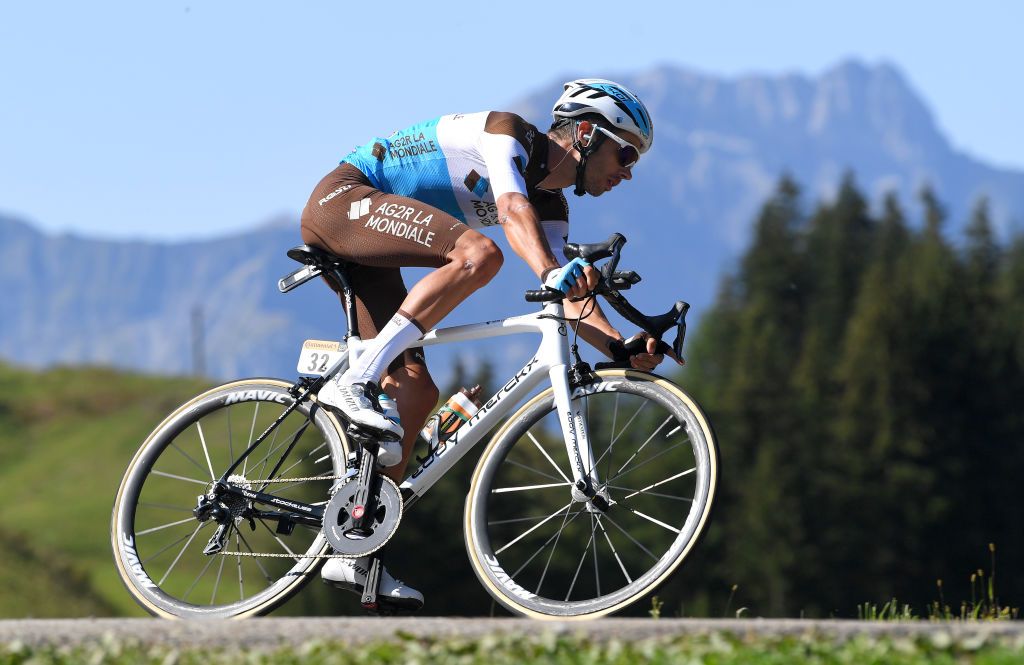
(557, 234)
(499, 152)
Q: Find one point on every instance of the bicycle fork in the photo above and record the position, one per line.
(586, 485)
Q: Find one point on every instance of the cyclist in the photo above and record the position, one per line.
(417, 198)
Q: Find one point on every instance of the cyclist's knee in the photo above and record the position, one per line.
(478, 257)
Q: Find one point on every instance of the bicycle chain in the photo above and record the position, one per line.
(294, 480)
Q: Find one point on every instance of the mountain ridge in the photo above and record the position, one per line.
(721, 146)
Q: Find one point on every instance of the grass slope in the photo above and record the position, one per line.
(66, 436)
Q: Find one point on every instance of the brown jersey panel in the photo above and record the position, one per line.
(549, 205)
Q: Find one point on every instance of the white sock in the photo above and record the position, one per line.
(397, 335)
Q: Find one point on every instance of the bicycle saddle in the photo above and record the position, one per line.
(314, 256)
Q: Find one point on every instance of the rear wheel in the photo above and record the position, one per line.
(541, 552)
(158, 543)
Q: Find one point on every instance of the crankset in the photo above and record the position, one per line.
(355, 527)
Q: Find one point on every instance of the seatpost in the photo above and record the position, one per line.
(350, 303)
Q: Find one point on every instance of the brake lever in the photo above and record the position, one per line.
(621, 281)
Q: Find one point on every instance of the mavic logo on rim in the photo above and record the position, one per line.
(254, 395)
(134, 564)
(359, 208)
(506, 581)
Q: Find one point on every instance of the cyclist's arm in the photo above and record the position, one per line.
(598, 331)
(522, 227)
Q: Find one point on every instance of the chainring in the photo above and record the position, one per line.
(380, 528)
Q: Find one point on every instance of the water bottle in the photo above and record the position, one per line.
(459, 408)
(390, 408)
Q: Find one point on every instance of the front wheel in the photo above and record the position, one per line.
(542, 553)
(159, 544)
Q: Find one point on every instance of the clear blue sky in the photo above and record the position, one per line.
(153, 119)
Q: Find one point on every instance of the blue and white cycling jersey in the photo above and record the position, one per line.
(462, 163)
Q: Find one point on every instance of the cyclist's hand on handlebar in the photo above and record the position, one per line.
(643, 351)
(574, 279)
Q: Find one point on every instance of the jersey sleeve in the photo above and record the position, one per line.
(553, 211)
(505, 146)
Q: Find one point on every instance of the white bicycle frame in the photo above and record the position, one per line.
(551, 360)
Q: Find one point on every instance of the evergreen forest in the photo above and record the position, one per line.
(865, 374)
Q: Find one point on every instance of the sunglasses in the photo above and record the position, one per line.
(628, 154)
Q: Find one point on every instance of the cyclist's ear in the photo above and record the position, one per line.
(586, 131)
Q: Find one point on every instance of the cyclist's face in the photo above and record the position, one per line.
(604, 170)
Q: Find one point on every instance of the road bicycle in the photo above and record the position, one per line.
(586, 498)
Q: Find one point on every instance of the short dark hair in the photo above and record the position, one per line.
(563, 128)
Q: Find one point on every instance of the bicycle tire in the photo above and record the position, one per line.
(501, 538)
(193, 445)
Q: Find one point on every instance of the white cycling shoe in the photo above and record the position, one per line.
(361, 404)
(350, 574)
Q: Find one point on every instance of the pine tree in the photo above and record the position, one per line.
(759, 517)
(878, 472)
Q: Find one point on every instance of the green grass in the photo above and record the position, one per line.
(984, 605)
(66, 436)
(713, 649)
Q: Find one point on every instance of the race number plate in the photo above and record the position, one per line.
(318, 355)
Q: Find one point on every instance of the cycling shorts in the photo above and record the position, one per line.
(377, 233)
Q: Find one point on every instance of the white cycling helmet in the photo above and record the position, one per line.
(617, 103)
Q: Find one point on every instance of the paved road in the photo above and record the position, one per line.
(279, 632)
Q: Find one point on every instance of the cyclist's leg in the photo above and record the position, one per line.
(348, 216)
(378, 294)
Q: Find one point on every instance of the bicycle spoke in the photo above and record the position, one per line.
(202, 439)
(165, 506)
(558, 535)
(593, 541)
(546, 456)
(273, 447)
(528, 468)
(188, 457)
(255, 559)
(298, 462)
(622, 566)
(200, 576)
(165, 526)
(546, 543)
(638, 450)
(162, 550)
(178, 558)
(615, 437)
(524, 488)
(252, 432)
(171, 475)
(627, 535)
(651, 519)
(611, 442)
(517, 519)
(648, 461)
(580, 566)
(293, 437)
(280, 542)
(216, 584)
(532, 529)
(657, 494)
(241, 587)
(231, 445)
(661, 482)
